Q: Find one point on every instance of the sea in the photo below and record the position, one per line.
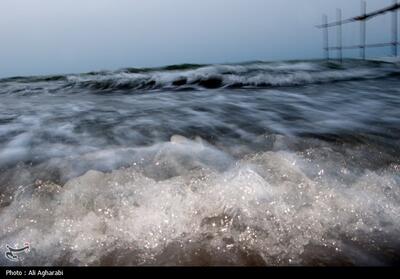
(292, 163)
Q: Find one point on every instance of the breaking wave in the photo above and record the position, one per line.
(246, 75)
(194, 205)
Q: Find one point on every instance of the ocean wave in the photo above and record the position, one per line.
(254, 75)
(301, 175)
(272, 208)
(245, 75)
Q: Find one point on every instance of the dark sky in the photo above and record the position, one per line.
(64, 36)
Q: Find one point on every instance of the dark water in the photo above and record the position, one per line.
(292, 163)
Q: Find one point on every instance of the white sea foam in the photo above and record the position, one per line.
(270, 208)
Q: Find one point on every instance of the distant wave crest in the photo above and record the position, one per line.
(246, 75)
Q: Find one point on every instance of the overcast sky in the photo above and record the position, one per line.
(65, 36)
